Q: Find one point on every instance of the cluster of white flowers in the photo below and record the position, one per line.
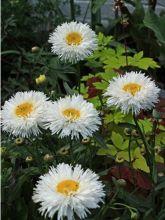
(66, 190)
(26, 112)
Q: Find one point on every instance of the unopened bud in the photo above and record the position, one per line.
(48, 157)
(19, 141)
(29, 159)
(35, 49)
(121, 182)
(85, 140)
(63, 150)
(119, 159)
(135, 133)
(127, 131)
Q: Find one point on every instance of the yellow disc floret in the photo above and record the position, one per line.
(71, 113)
(73, 38)
(67, 187)
(132, 88)
(23, 110)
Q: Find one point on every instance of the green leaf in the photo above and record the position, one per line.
(117, 140)
(111, 150)
(10, 52)
(146, 125)
(141, 164)
(159, 159)
(156, 23)
(125, 155)
(99, 139)
(160, 138)
(138, 56)
(101, 85)
(67, 88)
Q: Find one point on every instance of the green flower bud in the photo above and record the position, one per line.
(134, 215)
(48, 157)
(127, 131)
(85, 140)
(121, 182)
(19, 141)
(29, 159)
(35, 49)
(119, 159)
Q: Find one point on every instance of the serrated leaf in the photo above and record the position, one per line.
(160, 138)
(111, 150)
(124, 155)
(146, 125)
(141, 164)
(101, 85)
(138, 56)
(117, 140)
(159, 159)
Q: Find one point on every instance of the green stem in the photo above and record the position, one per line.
(72, 10)
(78, 76)
(148, 154)
(71, 151)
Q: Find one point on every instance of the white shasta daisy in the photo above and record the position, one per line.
(72, 116)
(132, 92)
(73, 41)
(66, 190)
(22, 114)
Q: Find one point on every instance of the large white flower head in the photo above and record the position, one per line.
(132, 92)
(67, 190)
(23, 113)
(73, 41)
(72, 116)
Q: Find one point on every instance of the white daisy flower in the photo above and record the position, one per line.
(22, 114)
(73, 41)
(132, 92)
(72, 116)
(66, 190)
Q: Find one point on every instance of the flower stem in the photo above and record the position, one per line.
(78, 76)
(72, 10)
(148, 154)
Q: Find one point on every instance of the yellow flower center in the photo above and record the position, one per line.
(74, 38)
(132, 88)
(24, 109)
(67, 187)
(71, 113)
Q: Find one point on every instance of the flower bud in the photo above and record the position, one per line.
(119, 159)
(3, 151)
(134, 215)
(63, 150)
(85, 140)
(135, 133)
(19, 141)
(127, 131)
(157, 149)
(40, 79)
(161, 174)
(29, 159)
(48, 157)
(35, 49)
(121, 182)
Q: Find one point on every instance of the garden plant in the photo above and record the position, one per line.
(82, 117)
